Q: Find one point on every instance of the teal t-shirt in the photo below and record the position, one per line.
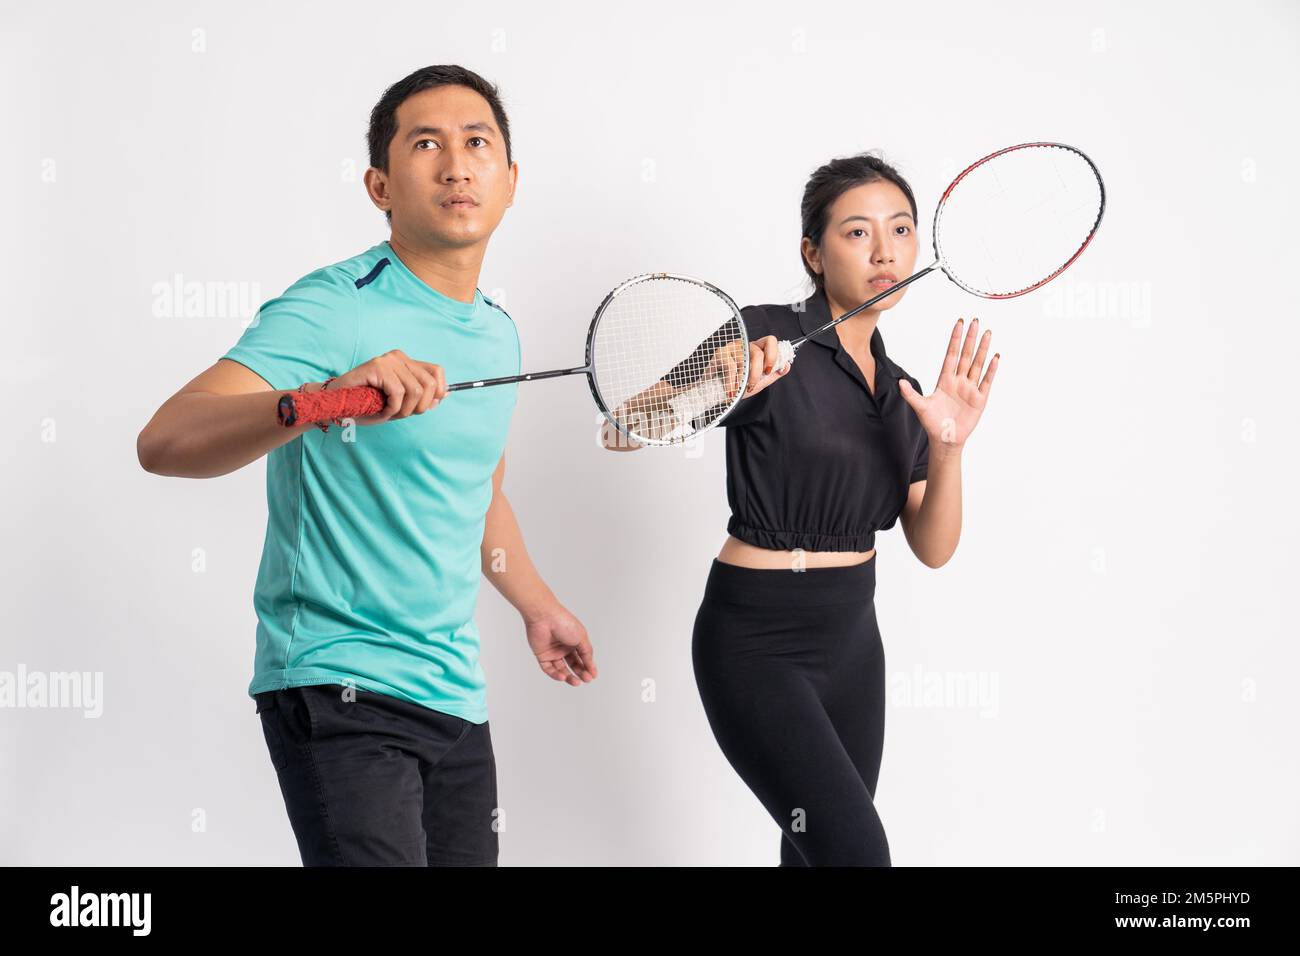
(371, 566)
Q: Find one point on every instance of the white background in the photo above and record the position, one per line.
(1124, 583)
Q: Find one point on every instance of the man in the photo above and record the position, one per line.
(367, 674)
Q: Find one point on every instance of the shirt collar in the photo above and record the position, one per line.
(816, 312)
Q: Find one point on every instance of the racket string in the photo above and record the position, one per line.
(1019, 218)
(653, 356)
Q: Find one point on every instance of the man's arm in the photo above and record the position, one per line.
(556, 637)
(218, 423)
(505, 559)
(226, 417)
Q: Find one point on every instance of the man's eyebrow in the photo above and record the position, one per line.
(896, 215)
(436, 130)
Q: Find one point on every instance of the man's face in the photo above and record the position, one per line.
(448, 182)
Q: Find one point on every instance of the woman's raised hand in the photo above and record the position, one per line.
(949, 413)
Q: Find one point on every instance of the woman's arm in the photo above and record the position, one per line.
(726, 363)
(931, 517)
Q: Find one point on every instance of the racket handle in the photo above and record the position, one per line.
(305, 408)
(785, 356)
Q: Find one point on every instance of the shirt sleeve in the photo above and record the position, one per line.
(921, 461)
(690, 367)
(306, 334)
(750, 410)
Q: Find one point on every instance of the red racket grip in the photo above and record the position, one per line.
(306, 408)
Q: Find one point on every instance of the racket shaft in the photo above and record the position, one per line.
(866, 305)
(507, 379)
(311, 407)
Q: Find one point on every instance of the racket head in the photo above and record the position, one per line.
(1018, 218)
(652, 357)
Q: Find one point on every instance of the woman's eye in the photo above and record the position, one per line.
(855, 232)
(906, 229)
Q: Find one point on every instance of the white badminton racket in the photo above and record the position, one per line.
(664, 354)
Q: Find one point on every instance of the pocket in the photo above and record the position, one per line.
(297, 718)
(270, 717)
(325, 713)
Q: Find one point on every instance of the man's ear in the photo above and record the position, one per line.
(377, 189)
(514, 181)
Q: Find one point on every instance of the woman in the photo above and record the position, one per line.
(790, 666)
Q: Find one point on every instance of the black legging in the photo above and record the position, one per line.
(791, 672)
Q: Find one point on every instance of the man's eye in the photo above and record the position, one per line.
(479, 138)
(417, 145)
(906, 229)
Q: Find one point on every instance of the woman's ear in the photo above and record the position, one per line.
(811, 254)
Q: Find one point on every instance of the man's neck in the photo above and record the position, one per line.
(453, 271)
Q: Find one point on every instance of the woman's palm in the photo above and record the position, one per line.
(949, 413)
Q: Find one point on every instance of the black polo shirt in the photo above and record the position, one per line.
(816, 460)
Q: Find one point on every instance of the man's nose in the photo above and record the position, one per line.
(454, 166)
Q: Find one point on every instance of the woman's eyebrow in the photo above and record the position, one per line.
(865, 219)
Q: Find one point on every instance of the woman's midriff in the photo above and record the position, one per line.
(746, 555)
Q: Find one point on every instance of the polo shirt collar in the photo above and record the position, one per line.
(816, 312)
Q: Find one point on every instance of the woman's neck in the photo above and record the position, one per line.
(857, 331)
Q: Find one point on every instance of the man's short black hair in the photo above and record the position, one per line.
(383, 118)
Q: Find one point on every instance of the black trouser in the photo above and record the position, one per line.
(381, 781)
(791, 672)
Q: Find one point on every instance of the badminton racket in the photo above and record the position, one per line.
(1006, 225)
(661, 353)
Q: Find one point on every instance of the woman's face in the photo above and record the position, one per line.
(870, 238)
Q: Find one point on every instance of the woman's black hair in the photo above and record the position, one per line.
(383, 118)
(830, 182)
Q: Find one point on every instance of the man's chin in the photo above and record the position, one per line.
(437, 235)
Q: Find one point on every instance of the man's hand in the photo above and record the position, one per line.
(411, 387)
(560, 643)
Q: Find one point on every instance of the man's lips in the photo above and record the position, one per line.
(459, 202)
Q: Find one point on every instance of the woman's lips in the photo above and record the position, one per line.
(883, 283)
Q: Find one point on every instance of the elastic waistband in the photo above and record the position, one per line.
(782, 587)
